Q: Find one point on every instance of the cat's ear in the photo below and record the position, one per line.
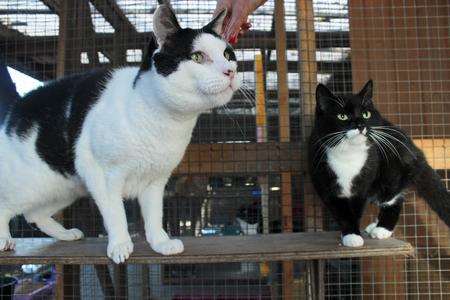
(165, 22)
(217, 23)
(324, 97)
(146, 63)
(367, 91)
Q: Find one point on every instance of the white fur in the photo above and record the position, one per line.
(130, 142)
(380, 233)
(247, 228)
(347, 159)
(352, 240)
(370, 227)
(391, 202)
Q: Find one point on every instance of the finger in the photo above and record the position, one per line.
(233, 26)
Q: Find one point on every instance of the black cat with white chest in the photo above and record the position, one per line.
(356, 156)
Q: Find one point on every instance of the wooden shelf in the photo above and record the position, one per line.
(256, 248)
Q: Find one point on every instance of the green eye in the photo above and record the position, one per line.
(227, 56)
(366, 114)
(198, 57)
(342, 117)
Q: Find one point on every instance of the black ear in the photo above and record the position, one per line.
(217, 23)
(324, 97)
(148, 54)
(165, 22)
(366, 92)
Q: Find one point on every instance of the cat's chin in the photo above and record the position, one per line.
(358, 139)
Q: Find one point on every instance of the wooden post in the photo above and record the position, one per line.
(284, 134)
(312, 218)
(261, 136)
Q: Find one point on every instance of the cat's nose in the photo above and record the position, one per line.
(229, 73)
(361, 127)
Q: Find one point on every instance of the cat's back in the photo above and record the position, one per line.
(49, 119)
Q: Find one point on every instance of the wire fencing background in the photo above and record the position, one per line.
(247, 162)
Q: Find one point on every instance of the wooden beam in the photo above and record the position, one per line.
(104, 42)
(252, 158)
(216, 249)
(112, 13)
(54, 5)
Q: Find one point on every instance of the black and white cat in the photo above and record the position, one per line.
(357, 156)
(113, 134)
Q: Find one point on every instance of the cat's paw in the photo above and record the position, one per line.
(380, 233)
(168, 247)
(119, 252)
(370, 227)
(7, 244)
(352, 240)
(71, 235)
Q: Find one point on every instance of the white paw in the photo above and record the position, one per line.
(71, 235)
(352, 240)
(7, 244)
(120, 252)
(168, 247)
(380, 233)
(370, 227)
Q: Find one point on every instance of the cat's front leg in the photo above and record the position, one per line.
(106, 189)
(6, 241)
(347, 213)
(387, 219)
(151, 202)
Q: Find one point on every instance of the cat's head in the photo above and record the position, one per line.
(197, 64)
(351, 117)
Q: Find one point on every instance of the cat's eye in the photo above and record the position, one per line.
(367, 114)
(227, 55)
(342, 117)
(198, 57)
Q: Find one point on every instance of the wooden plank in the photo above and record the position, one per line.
(249, 248)
(248, 158)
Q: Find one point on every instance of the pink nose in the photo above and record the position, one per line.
(229, 73)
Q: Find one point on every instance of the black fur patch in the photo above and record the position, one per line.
(57, 110)
(146, 64)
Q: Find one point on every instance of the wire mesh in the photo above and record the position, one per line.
(402, 45)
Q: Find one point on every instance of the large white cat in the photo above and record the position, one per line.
(113, 134)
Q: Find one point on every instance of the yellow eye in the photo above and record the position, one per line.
(366, 114)
(198, 57)
(227, 56)
(342, 117)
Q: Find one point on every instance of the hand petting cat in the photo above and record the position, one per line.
(236, 22)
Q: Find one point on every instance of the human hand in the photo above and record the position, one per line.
(235, 22)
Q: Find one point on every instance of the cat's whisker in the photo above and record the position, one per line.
(330, 134)
(327, 142)
(247, 95)
(388, 144)
(390, 128)
(387, 135)
(236, 123)
(334, 143)
(247, 98)
(379, 146)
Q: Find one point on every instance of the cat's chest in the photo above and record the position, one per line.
(347, 161)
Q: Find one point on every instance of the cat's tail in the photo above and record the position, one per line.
(8, 92)
(430, 187)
